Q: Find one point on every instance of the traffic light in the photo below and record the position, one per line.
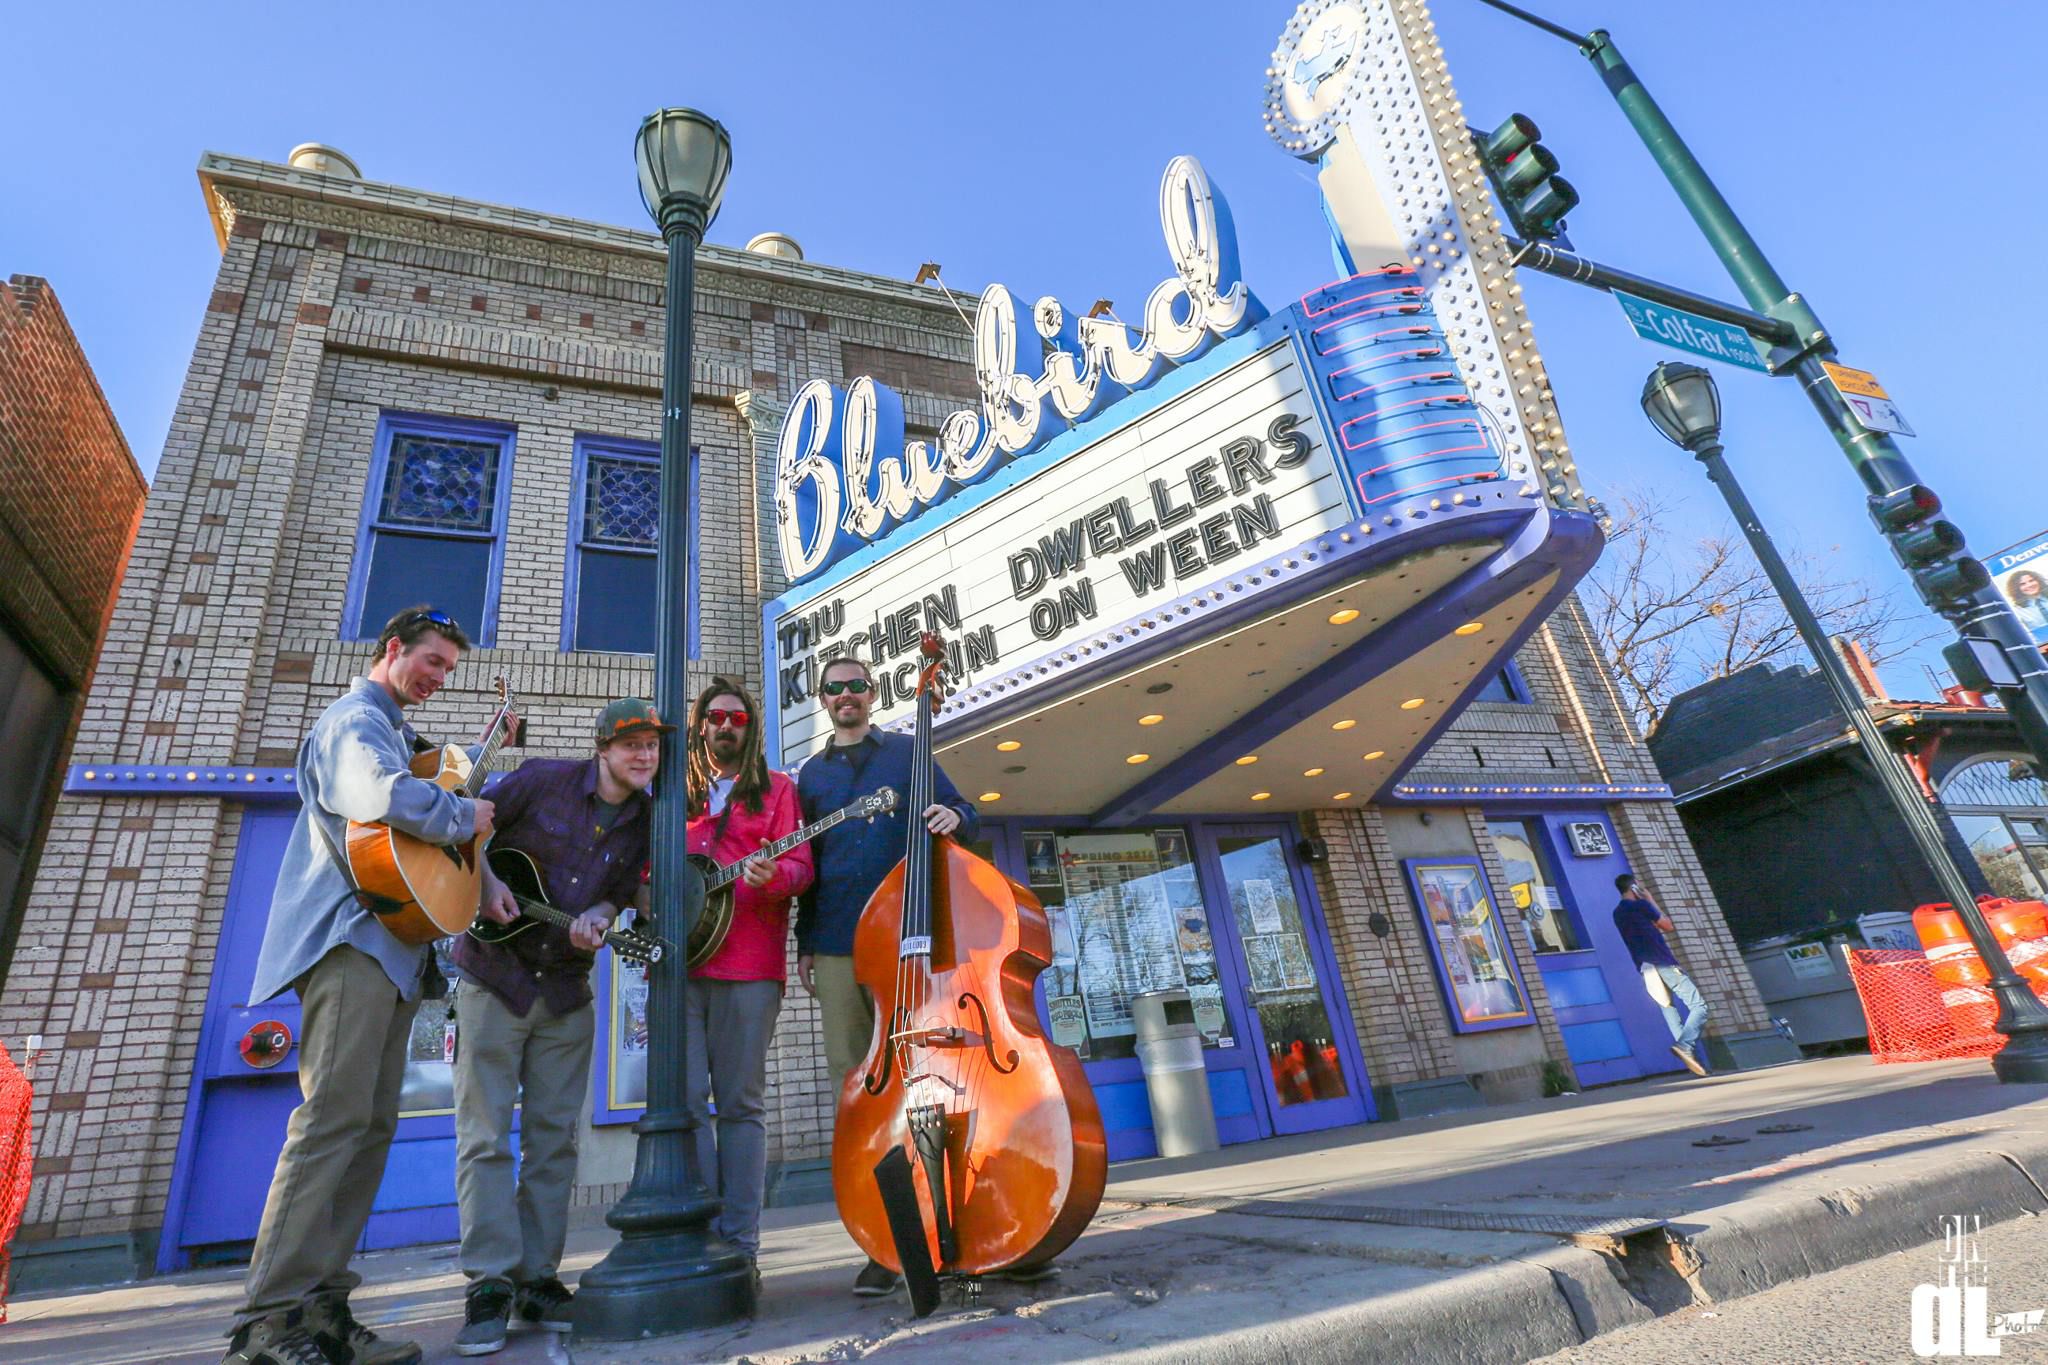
(1930, 547)
(1533, 196)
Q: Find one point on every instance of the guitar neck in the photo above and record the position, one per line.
(500, 727)
(730, 873)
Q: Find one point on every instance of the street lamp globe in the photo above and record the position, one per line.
(684, 157)
(1681, 401)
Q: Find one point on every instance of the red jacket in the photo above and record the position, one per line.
(757, 947)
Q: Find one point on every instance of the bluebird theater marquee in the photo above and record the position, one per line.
(1311, 530)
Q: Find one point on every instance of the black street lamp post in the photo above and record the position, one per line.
(669, 1271)
(1682, 402)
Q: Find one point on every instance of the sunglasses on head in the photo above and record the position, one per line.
(432, 618)
(718, 715)
(857, 686)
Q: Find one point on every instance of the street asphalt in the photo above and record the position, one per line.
(1504, 1234)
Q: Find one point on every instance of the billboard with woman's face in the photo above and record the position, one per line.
(2021, 573)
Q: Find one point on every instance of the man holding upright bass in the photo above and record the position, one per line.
(852, 861)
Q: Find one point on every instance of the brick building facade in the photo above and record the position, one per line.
(71, 497)
(345, 309)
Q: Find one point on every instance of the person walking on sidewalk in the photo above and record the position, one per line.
(525, 1021)
(1643, 926)
(359, 988)
(738, 805)
(852, 860)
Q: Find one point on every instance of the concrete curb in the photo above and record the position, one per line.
(1535, 1306)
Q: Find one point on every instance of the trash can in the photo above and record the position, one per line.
(1176, 1079)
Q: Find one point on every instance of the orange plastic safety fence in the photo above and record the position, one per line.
(1914, 1016)
(15, 1158)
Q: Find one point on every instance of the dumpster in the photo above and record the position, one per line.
(1176, 1079)
(1804, 980)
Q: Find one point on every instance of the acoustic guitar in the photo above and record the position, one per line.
(437, 887)
(522, 878)
(714, 922)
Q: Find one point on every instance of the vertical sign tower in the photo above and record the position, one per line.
(1360, 90)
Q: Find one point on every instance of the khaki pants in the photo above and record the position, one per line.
(846, 1011)
(354, 1032)
(513, 1227)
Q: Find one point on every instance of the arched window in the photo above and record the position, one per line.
(2000, 805)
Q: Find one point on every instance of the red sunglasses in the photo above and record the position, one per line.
(718, 715)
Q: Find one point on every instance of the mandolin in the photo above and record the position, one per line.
(714, 922)
(437, 887)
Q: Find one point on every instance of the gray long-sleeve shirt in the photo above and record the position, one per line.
(353, 766)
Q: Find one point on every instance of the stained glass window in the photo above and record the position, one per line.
(621, 502)
(615, 532)
(432, 532)
(443, 484)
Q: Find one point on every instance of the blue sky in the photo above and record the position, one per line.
(1873, 150)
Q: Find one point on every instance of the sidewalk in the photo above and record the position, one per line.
(1496, 1235)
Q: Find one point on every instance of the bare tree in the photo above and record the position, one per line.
(1672, 614)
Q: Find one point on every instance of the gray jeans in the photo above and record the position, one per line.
(514, 1228)
(731, 1025)
(354, 1035)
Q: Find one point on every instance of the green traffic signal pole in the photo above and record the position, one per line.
(1983, 619)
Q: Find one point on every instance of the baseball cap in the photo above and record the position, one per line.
(627, 715)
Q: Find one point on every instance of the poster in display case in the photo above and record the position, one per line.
(1474, 959)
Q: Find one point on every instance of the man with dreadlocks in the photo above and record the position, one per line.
(737, 806)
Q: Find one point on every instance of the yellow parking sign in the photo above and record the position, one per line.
(1862, 383)
(1868, 403)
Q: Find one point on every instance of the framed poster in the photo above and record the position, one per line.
(1474, 962)
(1589, 839)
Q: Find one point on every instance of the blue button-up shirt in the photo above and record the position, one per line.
(853, 858)
(353, 766)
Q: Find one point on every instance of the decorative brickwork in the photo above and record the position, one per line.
(334, 307)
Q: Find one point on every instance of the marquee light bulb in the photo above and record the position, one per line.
(1341, 796)
(1009, 746)
(1343, 724)
(987, 797)
(1344, 617)
(1153, 719)
(1412, 703)
(1375, 754)
(1139, 758)
(1261, 796)
(1311, 772)
(1247, 760)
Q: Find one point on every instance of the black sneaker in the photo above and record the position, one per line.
(280, 1339)
(544, 1304)
(875, 1280)
(1020, 1274)
(344, 1339)
(484, 1310)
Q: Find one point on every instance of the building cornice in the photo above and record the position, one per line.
(573, 243)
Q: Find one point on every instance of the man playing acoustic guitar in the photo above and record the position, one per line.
(359, 988)
(738, 805)
(525, 1019)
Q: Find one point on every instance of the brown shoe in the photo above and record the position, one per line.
(1691, 1060)
(338, 1333)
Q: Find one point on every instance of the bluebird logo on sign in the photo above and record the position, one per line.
(1690, 332)
(844, 474)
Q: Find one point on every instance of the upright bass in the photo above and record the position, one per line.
(966, 1142)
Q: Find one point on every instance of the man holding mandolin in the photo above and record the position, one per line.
(738, 807)
(359, 987)
(525, 1019)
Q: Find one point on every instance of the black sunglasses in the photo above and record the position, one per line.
(857, 686)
